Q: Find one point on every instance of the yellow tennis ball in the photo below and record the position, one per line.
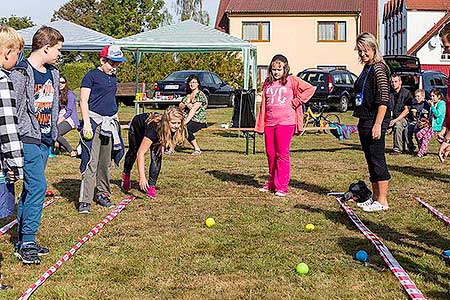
(88, 136)
(210, 222)
(309, 227)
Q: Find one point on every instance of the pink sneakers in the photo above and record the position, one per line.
(151, 192)
(126, 182)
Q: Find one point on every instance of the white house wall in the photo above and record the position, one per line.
(430, 55)
(420, 22)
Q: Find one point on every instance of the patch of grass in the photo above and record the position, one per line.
(160, 249)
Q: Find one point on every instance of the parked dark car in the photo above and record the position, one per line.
(173, 87)
(334, 87)
(413, 78)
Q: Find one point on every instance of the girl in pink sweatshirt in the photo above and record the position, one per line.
(279, 118)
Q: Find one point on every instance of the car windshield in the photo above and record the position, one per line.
(179, 76)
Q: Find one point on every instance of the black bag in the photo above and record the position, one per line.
(358, 191)
(244, 109)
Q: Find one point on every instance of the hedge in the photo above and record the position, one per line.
(74, 72)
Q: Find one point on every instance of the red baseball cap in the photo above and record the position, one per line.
(113, 53)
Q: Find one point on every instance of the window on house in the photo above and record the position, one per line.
(262, 73)
(334, 31)
(256, 31)
(445, 56)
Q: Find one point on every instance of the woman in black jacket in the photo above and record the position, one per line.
(372, 101)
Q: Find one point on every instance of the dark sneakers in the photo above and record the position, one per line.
(29, 253)
(84, 208)
(103, 200)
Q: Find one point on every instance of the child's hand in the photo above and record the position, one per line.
(11, 176)
(87, 131)
(143, 184)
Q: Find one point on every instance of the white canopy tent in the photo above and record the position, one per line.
(76, 37)
(190, 36)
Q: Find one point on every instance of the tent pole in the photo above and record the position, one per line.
(137, 59)
(254, 75)
(246, 68)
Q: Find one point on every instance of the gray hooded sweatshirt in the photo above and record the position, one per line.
(23, 81)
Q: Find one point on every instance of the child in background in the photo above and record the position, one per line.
(438, 108)
(36, 84)
(11, 150)
(68, 116)
(155, 132)
(280, 116)
(101, 138)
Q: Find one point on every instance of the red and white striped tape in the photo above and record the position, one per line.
(11, 224)
(435, 212)
(391, 262)
(75, 248)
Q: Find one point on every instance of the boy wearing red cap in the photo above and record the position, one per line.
(101, 140)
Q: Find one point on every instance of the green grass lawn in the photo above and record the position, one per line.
(161, 249)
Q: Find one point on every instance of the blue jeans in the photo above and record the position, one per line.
(29, 210)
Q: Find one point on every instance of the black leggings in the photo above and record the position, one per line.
(374, 153)
(63, 128)
(134, 141)
(193, 127)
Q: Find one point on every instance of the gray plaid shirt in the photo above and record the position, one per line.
(11, 149)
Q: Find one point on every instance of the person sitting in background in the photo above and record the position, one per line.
(195, 103)
(401, 100)
(418, 108)
(437, 107)
(68, 117)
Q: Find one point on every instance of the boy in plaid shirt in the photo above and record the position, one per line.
(11, 150)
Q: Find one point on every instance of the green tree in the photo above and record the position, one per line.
(117, 18)
(17, 22)
(192, 10)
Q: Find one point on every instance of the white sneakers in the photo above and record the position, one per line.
(374, 206)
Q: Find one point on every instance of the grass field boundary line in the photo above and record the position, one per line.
(11, 224)
(434, 211)
(96, 229)
(398, 271)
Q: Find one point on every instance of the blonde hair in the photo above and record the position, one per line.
(420, 92)
(367, 40)
(10, 39)
(167, 139)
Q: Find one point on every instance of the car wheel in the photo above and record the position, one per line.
(231, 100)
(343, 104)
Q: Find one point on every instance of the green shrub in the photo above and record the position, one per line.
(74, 72)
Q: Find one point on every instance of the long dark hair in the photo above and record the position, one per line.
(276, 59)
(63, 93)
(189, 79)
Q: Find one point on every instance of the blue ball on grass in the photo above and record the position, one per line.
(362, 256)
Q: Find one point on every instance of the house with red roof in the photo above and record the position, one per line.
(412, 28)
(311, 33)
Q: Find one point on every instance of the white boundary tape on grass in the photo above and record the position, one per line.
(11, 224)
(435, 212)
(403, 277)
(75, 248)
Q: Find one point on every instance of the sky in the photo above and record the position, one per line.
(41, 11)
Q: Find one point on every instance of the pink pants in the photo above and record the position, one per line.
(278, 142)
(423, 139)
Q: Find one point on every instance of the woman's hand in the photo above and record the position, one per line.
(87, 131)
(444, 151)
(376, 131)
(143, 184)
